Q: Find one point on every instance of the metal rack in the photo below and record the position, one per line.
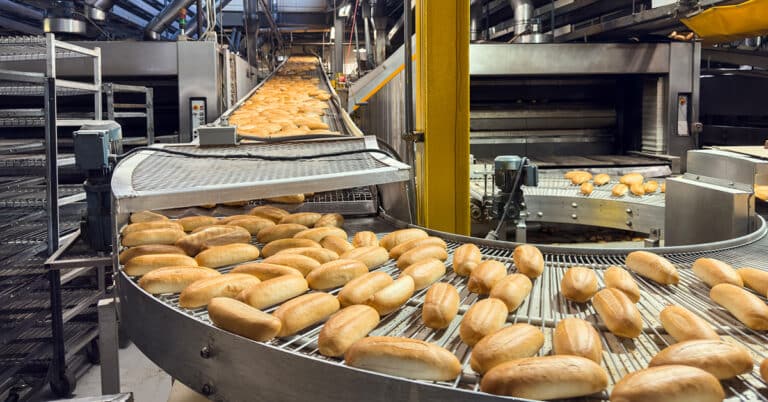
(118, 110)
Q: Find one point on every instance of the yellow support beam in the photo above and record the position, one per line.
(442, 114)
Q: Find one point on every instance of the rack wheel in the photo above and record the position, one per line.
(62, 386)
(92, 351)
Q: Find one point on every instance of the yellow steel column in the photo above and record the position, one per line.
(442, 113)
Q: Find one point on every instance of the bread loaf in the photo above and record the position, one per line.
(366, 238)
(485, 276)
(346, 327)
(239, 235)
(745, 306)
(576, 337)
(425, 272)
(755, 279)
(269, 212)
(152, 236)
(587, 188)
(619, 190)
(192, 244)
(253, 224)
(318, 234)
(204, 227)
(548, 377)
(307, 219)
(579, 178)
(402, 248)
(721, 359)
(273, 291)
(305, 311)
(320, 255)
(281, 231)
(265, 271)
(513, 342)
(276, 246)
(618, 313)
(332, 220)
(371, 256)
(618, 278)
(336, 244)
(570, 174)
(401, 236)
(392, 296)
(288, 199)
(174, 279)
(229, 218)
(668, 383)
(335, 273)
(764, 370)
(190, 223)
(632, 178)
(528, 260)
(713, 272)
(229, 254)
(579, 284)
(483, 318)
(302, 263)
(163, 224)
(147, 249)
(653, 267)
(199, 293)
(651, 186)
(417, 254)
(240, 203)
(601, 179)
(637, 189)
(683, 325)
(403, 357)
(512, 290)
(242, 319)
(147, 216)
(466, 258)
(362, 288)
(145, 263)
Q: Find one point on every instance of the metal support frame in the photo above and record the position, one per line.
(338, 48)
(108, 347)
(111, 89)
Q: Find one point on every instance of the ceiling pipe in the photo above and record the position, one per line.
(22, 11)
(97, 9)
(17, 26)
(527, 29)
(192, 26)
(158, 24)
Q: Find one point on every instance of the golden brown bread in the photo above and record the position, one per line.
(466, 258)
(721, 359)
(755, 279)
(631, 178)
(668, 383)
(392, 296)
(371, 256)
(200, 292)
(745, 306)
(242, 319)
(402, 248)
(764, 370)
(619, 278)
(403, 357)
(362, 288)
(601, 179)
(139, 226)
(147, 216)
(664, 187)
(587, 188)
(483, 318)
(320, 255)
(335, 220)
(147, 249)
(441, 304)
(240, 203)
(269, 212)
(335, 273)
(576, 337)
(302, 263)
(253, 224)
(174, 279)
(512, 290)
(619, 190)
(547, 377)
(528, 260)
(229, 218)
(281, 231)
(143, 264)
(637, 189)
(392, 239)
(288, 199)
(228, 254)
(579, 178)
(273, 291)
(570, 174)
(276, 246)
(336, 244)
(619, 314)
(651, 186)
(239, 235)
(425, 272)
(345, 328)
(265, 271)
(485, 276)
(304, 311)
(365, 238)
(683, 325)
(653, 267)
(319, 233)
(579, 284)
(713, 272)
(417, 254)
(307, 219)
(195, 242)
(513, 342)
(190, 223)
(152, 236)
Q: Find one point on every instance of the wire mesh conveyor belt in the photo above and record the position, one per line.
(543, 308)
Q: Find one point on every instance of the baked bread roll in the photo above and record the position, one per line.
(345, 328)
(320, 255)
(579, 178)
(619, 314)
(335, 273)
(417, 254)
(195, 242)
(745, 306)
(714, 272)
(755, 279)
(637, 189)
(302, 263)
(190, 223)
(229, 218)
(334, 220)
(281, 231)
(362, 288)
(174, 279)
(287, 199)
(425, 272)
(576, 337)
(483, 318)
(570, 174)
(276, 246)
(441, 304)
(668, 383)
(618, 278)
(619, 190)
(485, 276)
(764, 370)
(137, 227)
(548, 377)
(651, 186)
(601, 179)
(253, 224)
(402, 248)
(664, 187)
(403, 357)
(147, 216)
(199, 293)
(265, 271)
(336, 244)
(305, 311)
(512, 290)
(579, 284)
(721, 359)
(273, 291)
(631, 178)
(392, 296)
(240, 203)
(229, 254)
(152, 236)
(528, 260)
(587, 188)
(318, 234)
(366, 238)
(466, 258)
(401, 236)
(242, 319)
(239, 235)
(145, 263)
(147, 249)
(653, 267)
(513, 342)
(269, 212)
(307, 219)
(371, 256)
(683, 325)
(218, 225)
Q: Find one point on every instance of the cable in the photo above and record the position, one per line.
(392, 150)
(250, 156)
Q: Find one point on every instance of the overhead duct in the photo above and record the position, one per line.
(19, 10)
(158, 24)
(527, 29)
(192, 26)
(476, 31)
(64, 20)
(97, 9)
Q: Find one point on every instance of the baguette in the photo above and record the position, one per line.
(392, 296)
(400, 249)
(721, 359)
(336, 244)
(441, 304)
(632, 178)
(147, 249)
(619, 278)
(194, 243)
(579, 284)
(764, 370)
(143, 264)
(483, 318)
(274, 214)
(226, 219)
(307, 219)
(362, 288)
(302, 263)
(371, 256)
(152, 236)
(745, 306)
(512, 290)
(466, 258)
(320, 255)
(174, 279)
(346, 327)
(619, 314)
(366, 238)
(266, 271)
(651, 186)
(330, 220)
(273, 291)
(240, 203)
(528, 260)
(653, 267)
(239, 235)
(218, 225)
(713, 272)
(230, 254)
(619, 190)
(199, 293)
(485, 276)
(425, 272)
(637, 189)
(668, 383)
(403, 357)
(137, 227)
(397, 237)
(755, 279)
(318, 234)
(547, 377)
(336, 273)
(147, 216)
(281, 231)
(287, 199)
(304, 311)
(253, 224)
(601, 179)
(587, 188)
(683, 325)
(421, 253)
(576, 337)
(242, 319)
(276, 246)
(513, 342)
(190, 223)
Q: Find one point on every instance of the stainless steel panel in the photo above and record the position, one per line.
(654, 115)
(199, 76)
(684, 66)
(728, 166)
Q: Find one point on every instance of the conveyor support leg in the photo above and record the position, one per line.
(108, 347)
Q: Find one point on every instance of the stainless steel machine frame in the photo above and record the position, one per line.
(148, 114)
